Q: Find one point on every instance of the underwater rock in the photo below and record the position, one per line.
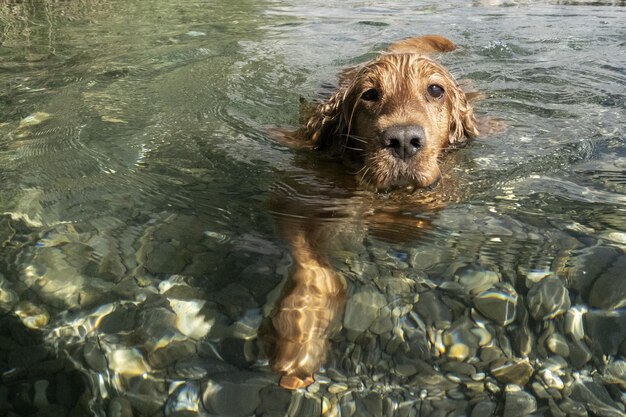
(475, 280)
(519, 403)
(498, 304)
(235, 394)
(184, 400)
(595, 397)
(574, 326)
(609, 289)
(548, 298)
(8, 297)
(32, 316)
(362, 309)
(606, 330)
(512, 371)
(432, 310)
(459, 341)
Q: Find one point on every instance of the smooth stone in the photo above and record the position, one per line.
(615, 372)
(557, 343)
(609, 289)
(484, 408)
(512, 371)
(127, 362)
(119, 407)
(362, 309)
(519, 403)
(540, 391)
(384, 323)
(459, 341)
(498, 304)
(606, 329)
(551, 379)
(32, 316)
(579, 354)
(573, 408)
(548, 298)
(555, 411)
(475, 279)
(161, 358)
(8, 297)
(574, 323)
(433, 311)
(234, 395)
(94, 357)
(34, 119)
(185, 399)
(595, 397)
(337, 388)
(304, 406)
(373, 403)
(274, 401)
(40, 397)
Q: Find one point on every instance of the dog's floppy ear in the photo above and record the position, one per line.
(424, 45)
(463, 122)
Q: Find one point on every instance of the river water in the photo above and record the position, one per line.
(139, 258)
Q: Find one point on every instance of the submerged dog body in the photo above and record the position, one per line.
(389, 122)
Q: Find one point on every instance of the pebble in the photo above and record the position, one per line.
(362, 309)
(483, 409)
(236, 394)
(475, 279)
(498, 304)
(574, 326)
(459, 341)
(606, 329)
(32, 316)
(337, 388)
(609, 289)
(8, 297)
(34, 119)
(119, 407)
(548, 298)
(184, 399)
(518, 404)
(551, 379)
(512, 371)
(595, 397)
(557, 343)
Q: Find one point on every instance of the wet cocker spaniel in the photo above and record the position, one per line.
(389, 123)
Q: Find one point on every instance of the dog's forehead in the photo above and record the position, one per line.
(395, 68)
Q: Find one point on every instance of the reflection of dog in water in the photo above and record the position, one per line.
(390, 122)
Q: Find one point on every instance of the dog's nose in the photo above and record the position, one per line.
(403, 141)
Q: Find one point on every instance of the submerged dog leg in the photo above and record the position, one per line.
(305, 317)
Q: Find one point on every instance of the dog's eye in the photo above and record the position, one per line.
(370, 95)
(435, 91)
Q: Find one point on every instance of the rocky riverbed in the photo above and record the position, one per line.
(96, 326)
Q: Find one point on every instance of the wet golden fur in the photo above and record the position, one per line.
(349, 127)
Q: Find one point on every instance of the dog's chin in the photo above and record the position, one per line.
(407, 183)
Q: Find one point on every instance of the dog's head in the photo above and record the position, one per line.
(396, 115)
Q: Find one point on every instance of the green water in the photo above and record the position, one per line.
(136, 132)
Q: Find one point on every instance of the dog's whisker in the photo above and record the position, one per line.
(355, 137)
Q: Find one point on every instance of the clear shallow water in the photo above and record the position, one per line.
(135, 168)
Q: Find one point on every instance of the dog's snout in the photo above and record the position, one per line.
(403, 141)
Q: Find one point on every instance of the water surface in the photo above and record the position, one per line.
(135, 170)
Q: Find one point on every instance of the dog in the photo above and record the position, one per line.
(382, 136)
